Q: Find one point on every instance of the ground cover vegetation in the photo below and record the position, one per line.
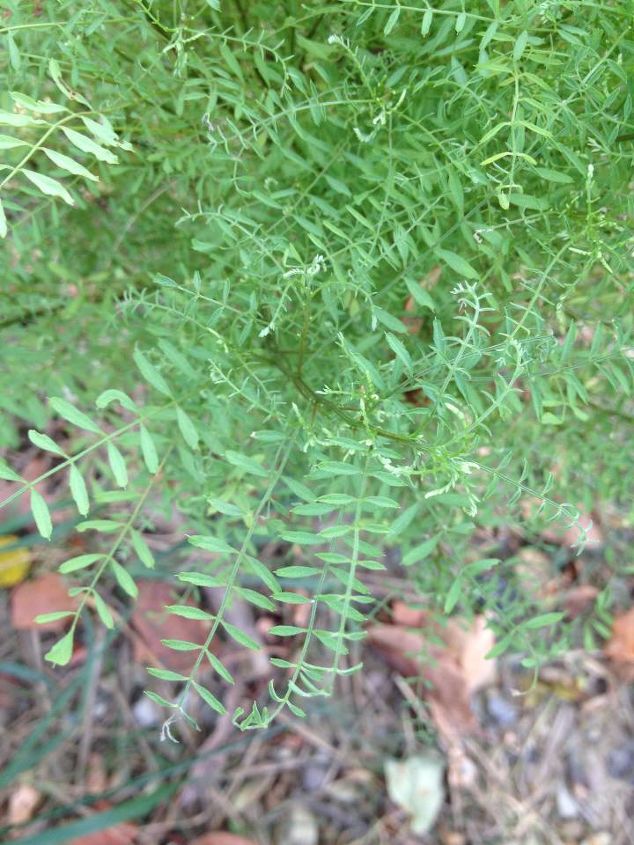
(351, 278)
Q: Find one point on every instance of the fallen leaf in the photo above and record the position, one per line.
(416, 397)
(9, 686)
(449, 703)
(451, 837)
(534, 571)
(578, 599)
(470, 647)
(463, 648)
(451, 660)
(46, 594)
(154, 623)
(601, 838)
(96, 777)
(462, 772)
(403, 614)
(416, 785)
(22, 803)
(300, 827)
(403, 649)
(120, 834)
(221, 838)
(20, 507)
(14, 564)
(620, 646)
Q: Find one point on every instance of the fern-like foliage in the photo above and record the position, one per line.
(372, 262)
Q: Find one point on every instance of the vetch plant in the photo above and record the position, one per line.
(371, 264)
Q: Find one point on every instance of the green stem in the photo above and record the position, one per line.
(282, 456)
(29, 485)
(40, 143)
(90, 589)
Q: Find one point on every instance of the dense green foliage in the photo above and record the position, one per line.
(373, 263)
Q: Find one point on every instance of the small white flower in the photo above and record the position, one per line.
(338, 39)
(365, 139)
(317, 265)
(379, 120)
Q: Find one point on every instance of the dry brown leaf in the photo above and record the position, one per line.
(578, 599)
(403, 614)
(620, 646)
(22, 803)
(46, 594)
(449, 703)
(455, 668)
(416, 397)
(399, 646)
(153, 623)
(534, 571)
(8, 689)
(121, 834)
(470, 648)
(219, 837)
(35, 467)
(96, 777)
(451, 837)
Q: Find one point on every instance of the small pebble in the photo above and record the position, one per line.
(299, 828)
(146, 712)
(314, 774)
(572, 830)
(567, 807)
(602, 838)
(620, 763)
(501, 711)
(344, 791)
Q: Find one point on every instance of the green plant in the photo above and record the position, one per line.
(373, 264)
